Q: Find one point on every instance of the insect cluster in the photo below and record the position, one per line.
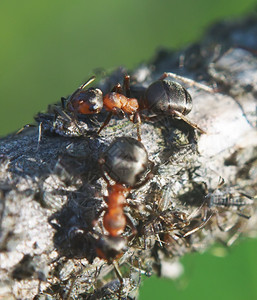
(162, 98)
(122, 228)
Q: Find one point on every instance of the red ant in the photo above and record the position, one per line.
(162, 97)
(116, 102)
(91, 101)
(125, 161)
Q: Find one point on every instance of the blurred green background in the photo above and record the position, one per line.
(48, 48)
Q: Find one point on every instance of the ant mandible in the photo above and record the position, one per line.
(126, 163)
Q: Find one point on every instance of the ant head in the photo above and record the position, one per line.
(166, 96)
(125, 161)
(88, 101)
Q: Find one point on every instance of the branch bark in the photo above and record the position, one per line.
(52, 189)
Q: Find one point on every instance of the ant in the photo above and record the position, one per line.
(91, 101)
(126, 163)
(162, 97)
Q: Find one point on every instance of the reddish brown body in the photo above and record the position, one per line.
(114, 219)
(114, 101)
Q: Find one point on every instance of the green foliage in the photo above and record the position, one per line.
(206, 276)
(48, 48)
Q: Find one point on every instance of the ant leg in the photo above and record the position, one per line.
(24, 127)
(132, 226)
(178, 114)
(197, 228)
(137, 120)
(114, 111)
(150, 119)
(126, 85)
(117, 89)
(188, 81)
(106, 122)
(63, 101)
(118, 274)
(243, 215)
(148, 177)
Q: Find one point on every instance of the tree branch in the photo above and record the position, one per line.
(51, 188)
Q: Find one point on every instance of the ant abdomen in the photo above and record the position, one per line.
(167, 97)
(114, 219)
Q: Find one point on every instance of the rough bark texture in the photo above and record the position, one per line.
(52, 189)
